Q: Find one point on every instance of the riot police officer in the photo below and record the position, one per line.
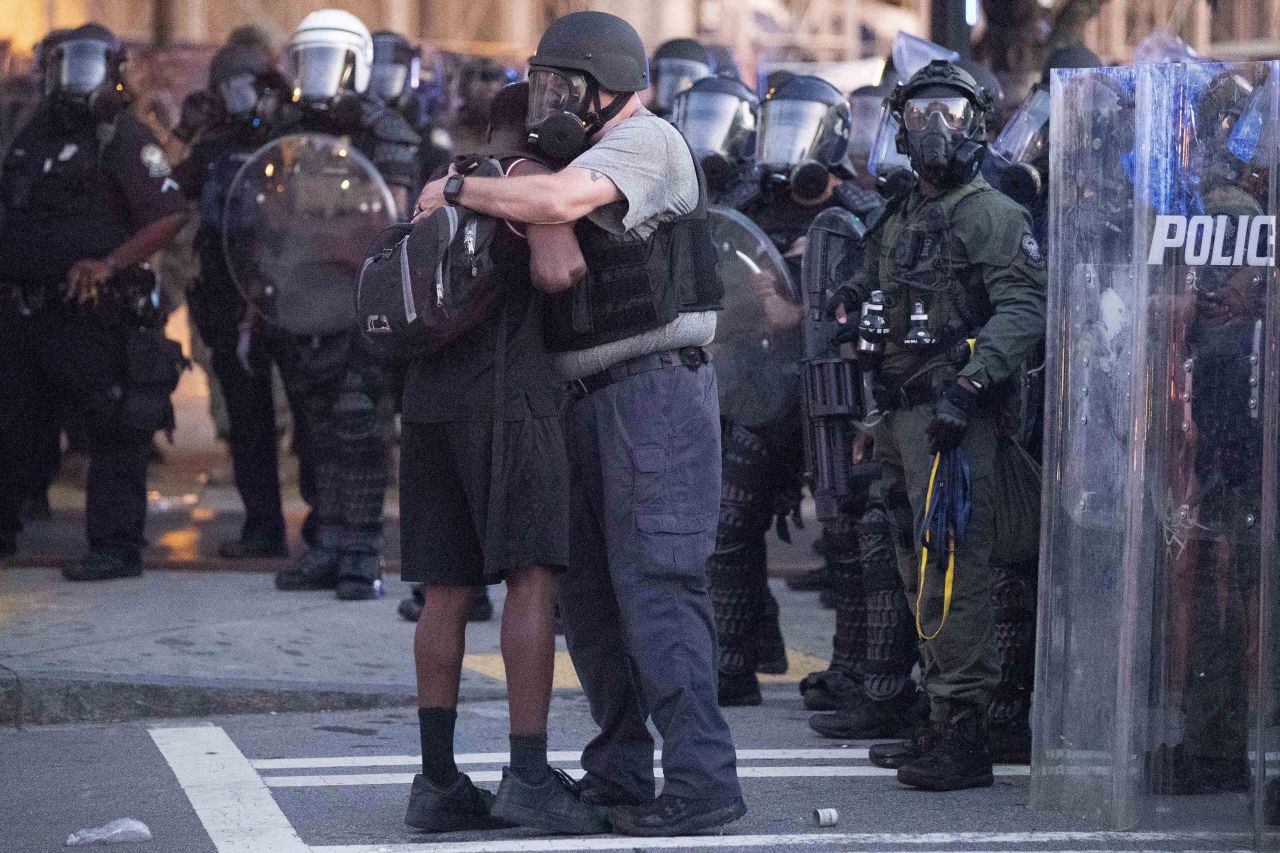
(717, 115)
(87, 196)
(339, 379)
(677, 64)
(396, 79)
(962, 281)
(249, 93)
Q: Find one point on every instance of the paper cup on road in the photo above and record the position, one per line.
(826, 817)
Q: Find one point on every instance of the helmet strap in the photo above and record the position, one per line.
(598, 116)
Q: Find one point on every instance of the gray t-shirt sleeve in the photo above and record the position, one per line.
(650, 165)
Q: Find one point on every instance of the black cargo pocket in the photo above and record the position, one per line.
(153, 364)
(675, 546)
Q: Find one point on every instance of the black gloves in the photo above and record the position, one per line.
(848, 297)
(951, 418)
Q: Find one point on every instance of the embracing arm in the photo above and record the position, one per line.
(551, 199)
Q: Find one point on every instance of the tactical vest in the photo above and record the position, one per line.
(635, 285)
(59, 180)
(919, 263)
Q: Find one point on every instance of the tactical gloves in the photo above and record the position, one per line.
(951, 418)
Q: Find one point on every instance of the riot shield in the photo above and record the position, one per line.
(1155, 699)
(757, 345)
(299, 216)
(832, 395)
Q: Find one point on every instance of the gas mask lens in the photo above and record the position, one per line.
(956, 113)
(81, 66)
(712, 121)
(321, 71)
(387, 81)
(239, 94)
(673, 76)
(552, 92)
(790, 132)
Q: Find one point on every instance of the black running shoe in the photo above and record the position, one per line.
(461, 806)
(670, 815)
(553, 806)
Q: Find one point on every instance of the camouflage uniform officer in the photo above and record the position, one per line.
(955, 261)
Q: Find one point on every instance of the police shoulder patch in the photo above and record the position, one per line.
(154, 159)
(1031, 249)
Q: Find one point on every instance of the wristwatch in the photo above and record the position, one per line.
(453, 189)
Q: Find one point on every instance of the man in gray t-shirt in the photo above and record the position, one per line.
(642, 426)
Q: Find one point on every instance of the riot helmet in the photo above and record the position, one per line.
(1071, 56)
(803, 136)
(246, 84)
(677, 65)
(479, 81)
(396, 68)
(1222, 130)
(866, 104)
(580, 56)
(330, 55)
(1019, 156)
(82, 70)
(717, 115)
(942, 114)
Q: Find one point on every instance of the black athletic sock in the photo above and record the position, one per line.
(529, 758)
(436, 728)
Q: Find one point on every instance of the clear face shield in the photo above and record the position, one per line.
(388, 81)
(322, 71)
(673, 76)
(713, 122)
(885, 156)
(790, 132)
(239, 94)
(865, 110)
(1025, 138)
(77, 67)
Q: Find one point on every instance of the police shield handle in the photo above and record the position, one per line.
(1205, 240)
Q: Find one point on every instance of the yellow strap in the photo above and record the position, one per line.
(948, 583)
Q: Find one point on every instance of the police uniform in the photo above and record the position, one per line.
(970, 257)
(73, 191)
(339, 380)
(217, 309)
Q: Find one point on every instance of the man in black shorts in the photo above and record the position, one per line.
(449, 521)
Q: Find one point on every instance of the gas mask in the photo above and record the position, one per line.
(938, 140)
(1019, 157)
(248, 101)
(82, 81)
(565, 111)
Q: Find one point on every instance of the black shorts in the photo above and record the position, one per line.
(444, 500)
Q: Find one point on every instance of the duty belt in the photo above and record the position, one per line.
(690, 357)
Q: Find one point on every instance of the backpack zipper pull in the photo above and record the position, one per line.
(469, 241)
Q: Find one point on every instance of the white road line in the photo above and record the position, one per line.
(237, 810)
(324, 780)
(502, 757)
(934, 842)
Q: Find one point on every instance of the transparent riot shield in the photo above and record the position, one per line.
(299, 216)
(832, 397)
(757, 344)
(1155, 702)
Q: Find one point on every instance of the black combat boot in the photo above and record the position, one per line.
(869, 718)
(738, 689)
(830, 690)
(359, 577)
(316, 569)
(896, 754)
(959, 758)
(104, 566)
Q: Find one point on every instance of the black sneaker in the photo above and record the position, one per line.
(813, 580)
(960, 757)
(253, 549)
(670, 815)
(891, 756)
(104, 567)
(359, 577)
(481, 606)
(553, 806)
(738, 689)
(830, 690)
(868, 719)
(595, 791)
(316, 569)
(411, 608)
(459, 807)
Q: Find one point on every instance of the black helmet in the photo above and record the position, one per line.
(233, 60)
(677, 65)
(397, 66)
(598, 44)
(717, 115)
(83, 66)
(1071, 56)
(804, 134)
(241, 75)
(986, 79)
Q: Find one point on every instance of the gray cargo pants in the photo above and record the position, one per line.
(644, 456)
